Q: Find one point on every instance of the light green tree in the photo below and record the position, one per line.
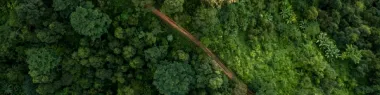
(352, 53)
(128, 52)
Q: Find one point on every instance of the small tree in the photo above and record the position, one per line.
(352, 53)
(154, 54)
(128, 52)
(328, 45)
(136, 63)
(215, 82)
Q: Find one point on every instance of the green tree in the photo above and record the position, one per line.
(47, 36)
(313, 29)
(84, 52)
(128, 52)
(173, 78)
(206, 20)
(203, 69)
(42, 63)
(60, 5)
(120, 33)
(312, 13)
(136, 63)
(181, 55)
(96, 62)
(352, 53)
(90, 22)
(125, 91)
(31, 11)
(215, 83)
(53, 33)
(154, 54)
(103, 73)
(7, 40)
(135, 88)
(328, 46)
(172, 6)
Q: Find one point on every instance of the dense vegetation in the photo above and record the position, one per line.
(276, 47)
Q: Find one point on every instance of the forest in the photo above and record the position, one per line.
(119, 47)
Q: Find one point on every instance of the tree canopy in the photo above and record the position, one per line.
(89, 22)
(42, 63)
(173, 78)
(119, 47)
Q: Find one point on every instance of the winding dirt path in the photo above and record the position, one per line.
(215, 60)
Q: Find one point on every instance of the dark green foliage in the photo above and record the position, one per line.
(313, 29)
(52, 34)
(173, 78)
(89, 22)
(7, 40)
(96, 62)
(103, 74)
(28, 87)
(42, 63)
(60, 5)
(84, 52)
(46, 36)
(135, 88)
(31, 11)
(154, 54)
(136, 63)
(108, 47)
(205, 20)
(181, 55)
(120, 33)
(203, 71)
(172, 6)
(128, 52)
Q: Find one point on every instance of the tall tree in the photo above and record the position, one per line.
(90, 22)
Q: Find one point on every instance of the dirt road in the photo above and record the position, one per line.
(215, 60)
